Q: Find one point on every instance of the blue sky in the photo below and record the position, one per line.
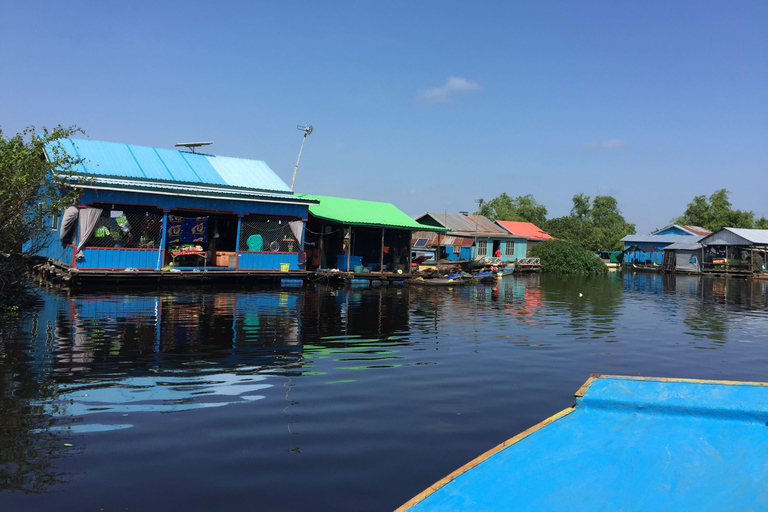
(428, 105)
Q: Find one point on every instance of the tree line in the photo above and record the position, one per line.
(597, 224)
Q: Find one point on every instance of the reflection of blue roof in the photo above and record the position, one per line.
(629, 443)
(144, 167)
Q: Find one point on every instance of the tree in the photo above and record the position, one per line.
(31, 190)
(596, 224)
(715, 213)
(522, 208)
(580, 208)
(610, 225)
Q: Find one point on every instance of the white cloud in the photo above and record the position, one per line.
(614, 144)
(453, 85)
(607, 144)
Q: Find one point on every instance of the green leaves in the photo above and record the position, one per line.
(31, 186)
(522, 208)
(598, 225)
(716, 213)
(567, 257)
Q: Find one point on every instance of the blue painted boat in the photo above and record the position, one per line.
(507, 270)
(630, 444)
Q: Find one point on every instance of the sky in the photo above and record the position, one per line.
(429, 105)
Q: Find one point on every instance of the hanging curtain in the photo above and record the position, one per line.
(88, 219)
(68, 223)
(297, 228)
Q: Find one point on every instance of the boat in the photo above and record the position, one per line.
(646, 267)
(485, 277)
(627, 443)
(449, 280)
(506, 271)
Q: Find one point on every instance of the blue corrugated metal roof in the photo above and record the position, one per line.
(116, 160)
(661, 239)
(197, 191)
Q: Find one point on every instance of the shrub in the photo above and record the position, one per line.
(567, 257)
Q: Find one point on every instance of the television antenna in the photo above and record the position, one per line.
(307, 131)
(193, 145)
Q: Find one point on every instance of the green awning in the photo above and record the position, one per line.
(357, 212)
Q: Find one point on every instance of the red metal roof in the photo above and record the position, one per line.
(524, 229)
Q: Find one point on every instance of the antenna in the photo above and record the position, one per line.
(307, 131)
(193, 145)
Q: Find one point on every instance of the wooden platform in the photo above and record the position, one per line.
(192, 276)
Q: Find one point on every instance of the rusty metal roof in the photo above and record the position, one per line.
(465, 225)
(696, 230)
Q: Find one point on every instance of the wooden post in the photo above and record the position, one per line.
(410, 252)
(381, 254)
(349, 248)
(321, 260)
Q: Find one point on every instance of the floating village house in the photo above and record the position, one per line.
(648, 250)
(143, 208)
(469, 237)
(735, 251)
(528, 230)
(355, 235)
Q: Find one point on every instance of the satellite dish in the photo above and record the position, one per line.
(193, 145)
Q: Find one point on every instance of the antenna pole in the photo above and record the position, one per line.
(298, 159)
(307, 130)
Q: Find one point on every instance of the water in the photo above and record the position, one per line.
(325, 399)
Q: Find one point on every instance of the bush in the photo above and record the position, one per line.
(567, 257)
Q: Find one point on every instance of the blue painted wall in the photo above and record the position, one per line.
(645, 257)
(114, 258)
(266, 260)
(520, 248)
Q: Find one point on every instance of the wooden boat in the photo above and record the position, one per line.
(628, 443)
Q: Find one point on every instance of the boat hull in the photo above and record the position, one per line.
(629, 443)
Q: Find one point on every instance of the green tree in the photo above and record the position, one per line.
(580, 208)
(715, 213)
(610, 225)
(31, 190)
(761, 223)
(596, 224)
(573, 229)
(522, 208)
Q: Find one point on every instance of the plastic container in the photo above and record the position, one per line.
(358, 269)
(285, 267)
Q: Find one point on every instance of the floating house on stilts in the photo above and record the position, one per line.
(149, 210)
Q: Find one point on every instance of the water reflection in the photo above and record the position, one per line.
(86, 364)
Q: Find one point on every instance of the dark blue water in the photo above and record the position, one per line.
(328, 399)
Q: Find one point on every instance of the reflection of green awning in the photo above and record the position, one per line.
(365, 213)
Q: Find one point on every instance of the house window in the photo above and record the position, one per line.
(129, 227)
(482, 247)
(456, 249)
(509, 249)
(54, 221)
(265, 233)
